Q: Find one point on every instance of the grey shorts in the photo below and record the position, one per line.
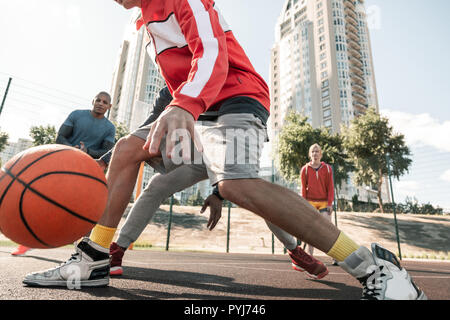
(232, 146)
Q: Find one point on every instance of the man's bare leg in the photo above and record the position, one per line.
(121, 177)
(283, 208)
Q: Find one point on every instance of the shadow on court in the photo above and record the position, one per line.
(211, 286)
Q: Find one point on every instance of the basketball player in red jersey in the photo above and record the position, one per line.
(317, 184)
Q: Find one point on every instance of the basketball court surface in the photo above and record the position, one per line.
(162, 275)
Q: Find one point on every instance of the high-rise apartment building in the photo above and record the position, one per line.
(13, 148)
(321, 65)
(136, 79)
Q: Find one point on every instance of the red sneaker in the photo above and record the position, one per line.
(301, 261)
(116, 254)
(20, 251)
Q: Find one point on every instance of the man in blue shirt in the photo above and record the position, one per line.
(89, 130)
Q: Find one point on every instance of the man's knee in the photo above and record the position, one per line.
(225, 189)
(237, 190)
(129, 148)
(159, 185)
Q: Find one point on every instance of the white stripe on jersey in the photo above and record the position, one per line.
(167, 34)
(206, 63)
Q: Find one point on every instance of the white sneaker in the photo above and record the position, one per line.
(381, 275)
(88, 267)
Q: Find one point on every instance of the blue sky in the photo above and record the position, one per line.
(69, 48)
(410, 51)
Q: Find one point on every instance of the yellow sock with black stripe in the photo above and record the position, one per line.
(102, 235)
(342, 248)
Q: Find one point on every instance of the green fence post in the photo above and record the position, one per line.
(334, 199)
(4, 96)
(273, 236)
(273, 244)
(169, 224)
(393, 205)
(228, 227)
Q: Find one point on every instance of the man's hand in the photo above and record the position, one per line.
(101, 163)
(215, 209)
(330, 210)
(172, 121)
(82, 147)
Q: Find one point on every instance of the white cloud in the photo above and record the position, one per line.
(403, 189)
(446, 176)
(420, 129)
(410, 186)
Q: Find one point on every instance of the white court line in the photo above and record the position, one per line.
(431, 277)
(233, 265)
(338, 273)
(244, 263)
(212, 263)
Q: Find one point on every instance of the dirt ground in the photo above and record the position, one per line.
(421, 236)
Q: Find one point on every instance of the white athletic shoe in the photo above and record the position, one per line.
(381, 275)
(88, 267)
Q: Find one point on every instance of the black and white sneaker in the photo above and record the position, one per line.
(381, 275)
(87, 267)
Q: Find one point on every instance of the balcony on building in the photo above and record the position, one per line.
(351, 20)
(355, 61)
(357, 70)
(356, 78)
(358, 88)
(354, 44)
(352, 28)
(360, 106)
(350, 11)
(349, 4)
(355, 53)
(359, 97)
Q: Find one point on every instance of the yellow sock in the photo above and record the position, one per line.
(342, 248)
(102, 235)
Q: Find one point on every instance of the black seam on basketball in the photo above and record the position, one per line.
(69, 173)
(38, 159)
(7, 188)
(27, 186)
(25, 222)
(9, 185)
(12, 166)
(6, 170)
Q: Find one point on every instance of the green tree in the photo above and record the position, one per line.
(175, 201)
(195, 199)
(3, 143)
(121, 130)
(369, 140)
(43, 135)
(412, 205)
(293, 145)
(3, 140)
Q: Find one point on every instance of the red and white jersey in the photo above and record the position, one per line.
(317, 184)
(198, 55)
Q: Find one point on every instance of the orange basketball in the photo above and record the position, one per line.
(50, 196)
